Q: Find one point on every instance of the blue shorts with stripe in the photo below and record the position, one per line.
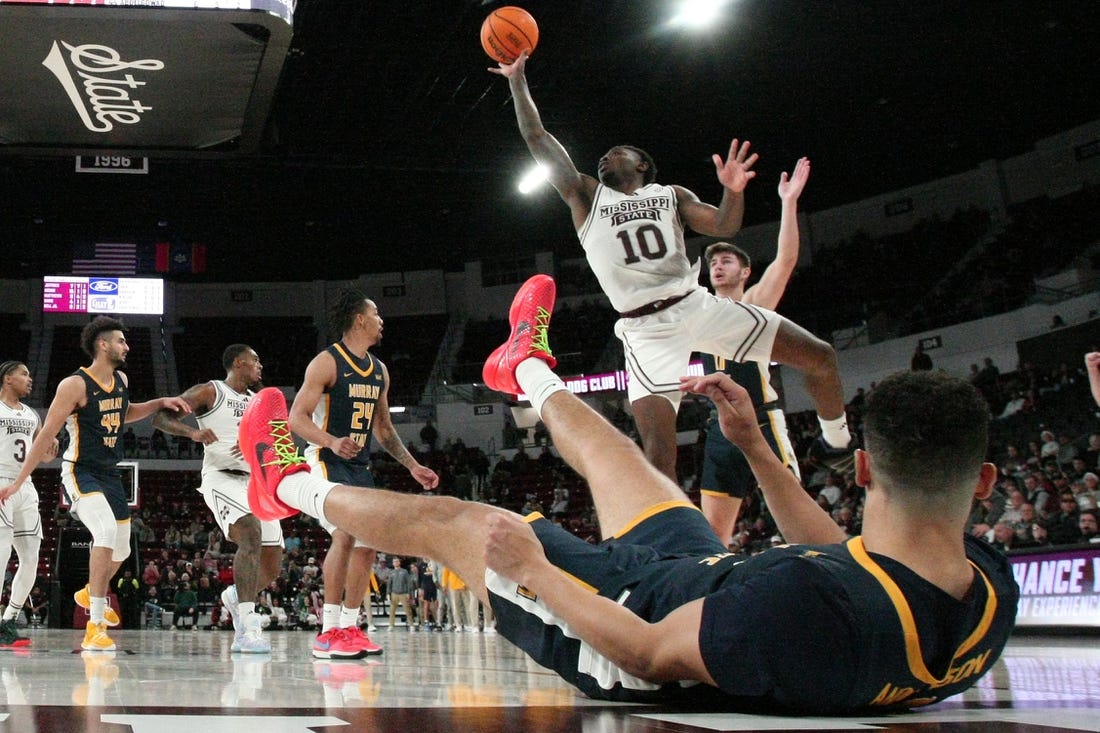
(649, 568)
(348, 474)
(726, 471)
(79, 481)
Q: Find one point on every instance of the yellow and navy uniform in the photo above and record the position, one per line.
(726, 472)
(95, 445)
(814, 629)
(346, 409)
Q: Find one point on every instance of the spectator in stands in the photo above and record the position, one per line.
(560, 507)
(214, 545)
(986, 380)
(1091, 455)
(129, 443)
(159, 444)
(429, 436)
(1039, 536)
(151, 574)
(292, 542)
(128, 590)
(1023, 526)
(38, 606)
(400, 589)
(1012, 512)
(1086, 522)
(311, 572)
(1063, 526)
(173, 539)
(1091, 484)
(1049, 444)
(1036, 494)
(1067, 451)
(1004, 536)
(185, 606)
(986, 513)
(921, 362)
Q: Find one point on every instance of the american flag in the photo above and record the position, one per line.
(104, 258)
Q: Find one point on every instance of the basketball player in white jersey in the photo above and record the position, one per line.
(632, 232)
(20, 522)
(218, 406)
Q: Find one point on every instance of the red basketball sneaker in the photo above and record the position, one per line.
(529, 317)
(269, 448)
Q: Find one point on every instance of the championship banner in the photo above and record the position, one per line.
(147, 75)
(1060, 588)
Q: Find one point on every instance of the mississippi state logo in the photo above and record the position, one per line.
(101, 86)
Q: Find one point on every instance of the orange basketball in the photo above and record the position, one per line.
(507, 32)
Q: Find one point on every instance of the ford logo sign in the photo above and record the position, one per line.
(103, 286)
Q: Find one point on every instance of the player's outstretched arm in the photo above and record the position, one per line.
(773, 283)
(799, 519)
(575, 188)
(198, 398)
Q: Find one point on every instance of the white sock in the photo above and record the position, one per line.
(243, 609)
(538, 382)
(331, 618)
(10, 612)
(98, 608)
(835, 431)
(306, 492)
(348, 617)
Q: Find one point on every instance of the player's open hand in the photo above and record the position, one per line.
(509, 70)
(736, 171)
(791, 188)
(7, 491)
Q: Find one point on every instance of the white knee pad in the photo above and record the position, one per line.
(122, 541)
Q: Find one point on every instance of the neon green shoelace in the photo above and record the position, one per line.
(540, 342)
(286, 453)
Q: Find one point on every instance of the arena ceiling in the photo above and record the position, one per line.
(389, 145)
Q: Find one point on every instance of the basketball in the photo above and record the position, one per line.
(507, 32)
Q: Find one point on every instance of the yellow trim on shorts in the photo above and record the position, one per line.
(712, 492)
(587, 586)
(654, 510)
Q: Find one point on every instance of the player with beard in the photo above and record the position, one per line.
(93, 405)
(218, 406)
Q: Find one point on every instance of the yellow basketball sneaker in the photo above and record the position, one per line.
(96, 639)
(84, 599)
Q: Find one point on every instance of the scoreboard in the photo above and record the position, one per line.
(69, 294)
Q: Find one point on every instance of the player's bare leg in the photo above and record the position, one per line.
(656, 420)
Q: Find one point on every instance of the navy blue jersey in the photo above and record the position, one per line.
(95, 428)
(347, 407)
(813, 629)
